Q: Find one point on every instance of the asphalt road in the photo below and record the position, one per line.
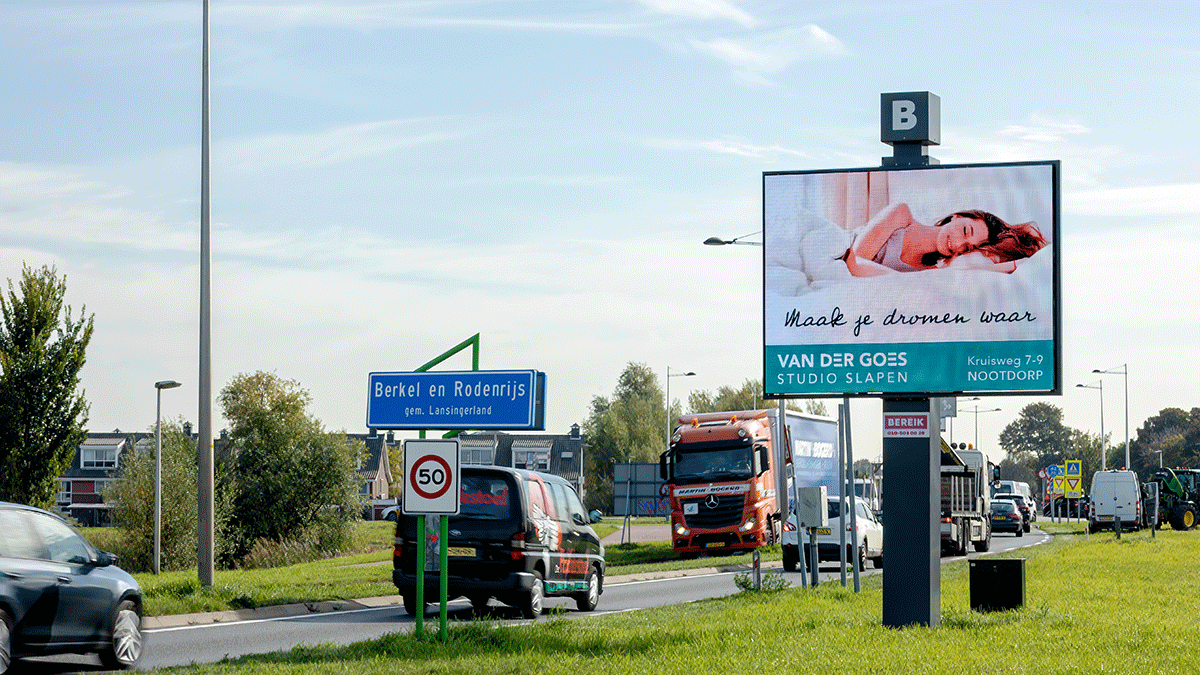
(205, 638)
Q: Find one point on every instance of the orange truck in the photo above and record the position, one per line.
(720, 478)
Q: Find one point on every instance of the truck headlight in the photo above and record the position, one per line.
(748, 525)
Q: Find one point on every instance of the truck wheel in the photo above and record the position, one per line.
(984, 544)
(964, 536)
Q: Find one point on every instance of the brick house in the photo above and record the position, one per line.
(92, 469)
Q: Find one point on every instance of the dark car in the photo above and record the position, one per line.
(1063, 507)
(58, 594)
(1023, 506)
(1006, 517)
(520, 536)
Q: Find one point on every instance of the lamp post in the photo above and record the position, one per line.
(717, 241)
(977, 411)
(1124, 372)
(159, 386)
(1103, 450)
(669, 376)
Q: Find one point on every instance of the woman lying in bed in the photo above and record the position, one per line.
(894, 242)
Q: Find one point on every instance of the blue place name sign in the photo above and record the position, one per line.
(472, 399)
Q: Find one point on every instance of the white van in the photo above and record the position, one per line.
(1115, 494)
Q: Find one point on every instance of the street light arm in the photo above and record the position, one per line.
(717, 241)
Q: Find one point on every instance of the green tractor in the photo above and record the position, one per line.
(1178, 495)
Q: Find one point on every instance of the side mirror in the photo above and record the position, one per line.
(595, 515)
(105, 559)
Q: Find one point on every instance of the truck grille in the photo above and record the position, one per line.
(713, 511)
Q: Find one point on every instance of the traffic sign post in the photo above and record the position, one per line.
(432, 486)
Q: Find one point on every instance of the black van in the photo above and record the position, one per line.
(519, 536)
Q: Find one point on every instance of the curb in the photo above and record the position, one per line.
(306, 608)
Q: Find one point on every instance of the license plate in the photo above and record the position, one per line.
(824, 530)
(999, 518)
(714, 544)
(1104, 519)
(460, 552)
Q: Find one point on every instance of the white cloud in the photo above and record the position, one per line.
(1148, 200)
(729, 146)
(334, 145)
(701, 9)
(762, 54)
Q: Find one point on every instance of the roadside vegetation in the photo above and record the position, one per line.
(1093, 605)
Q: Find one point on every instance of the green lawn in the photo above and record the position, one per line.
(1093, 605)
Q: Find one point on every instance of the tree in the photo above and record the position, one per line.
(132, 496)
(629, 427)
(1037, 438)
(42, 350)
(746, 397)
(287, 479)
(1172, 432)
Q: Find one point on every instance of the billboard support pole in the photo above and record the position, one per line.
(912, 464)
(910, 122)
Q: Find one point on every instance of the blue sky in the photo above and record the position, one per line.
(390, 178)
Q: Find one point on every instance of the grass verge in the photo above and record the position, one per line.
(1093, 605)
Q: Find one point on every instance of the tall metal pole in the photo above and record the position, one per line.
(158, 387)
(1124, 371)
(157, 480)
(668, 388)
(204, 444)
(1103, 450)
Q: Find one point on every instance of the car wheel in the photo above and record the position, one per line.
(790, 557)
(877, 563)
(6, 642)
(410, 603)
(479, 602)
(1020, 533)
(531, 603)
(862, 556)
(587, 601)
(390, 517)
(125, 644)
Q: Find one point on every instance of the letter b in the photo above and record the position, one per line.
(903, 118)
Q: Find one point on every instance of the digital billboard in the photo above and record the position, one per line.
(924, 281)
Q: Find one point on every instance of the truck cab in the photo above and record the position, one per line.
(720, 483)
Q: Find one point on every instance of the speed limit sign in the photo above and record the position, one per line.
(431, 478)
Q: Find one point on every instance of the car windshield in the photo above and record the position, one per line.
(1003, 507)
(712, 464)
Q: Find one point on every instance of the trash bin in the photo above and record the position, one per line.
(997, 584)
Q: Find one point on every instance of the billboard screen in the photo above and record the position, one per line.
(924, 281)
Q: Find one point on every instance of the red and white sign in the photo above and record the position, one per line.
(905, 425)
(431, 477)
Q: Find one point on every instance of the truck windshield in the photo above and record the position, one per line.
(713, 464)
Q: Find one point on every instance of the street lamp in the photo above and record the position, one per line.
(1124, 372)
(159, 386)
(717, 241)
(1103, 450)
(977, 411)
(669, 376)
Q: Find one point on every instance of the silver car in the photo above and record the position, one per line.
(58, 594)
